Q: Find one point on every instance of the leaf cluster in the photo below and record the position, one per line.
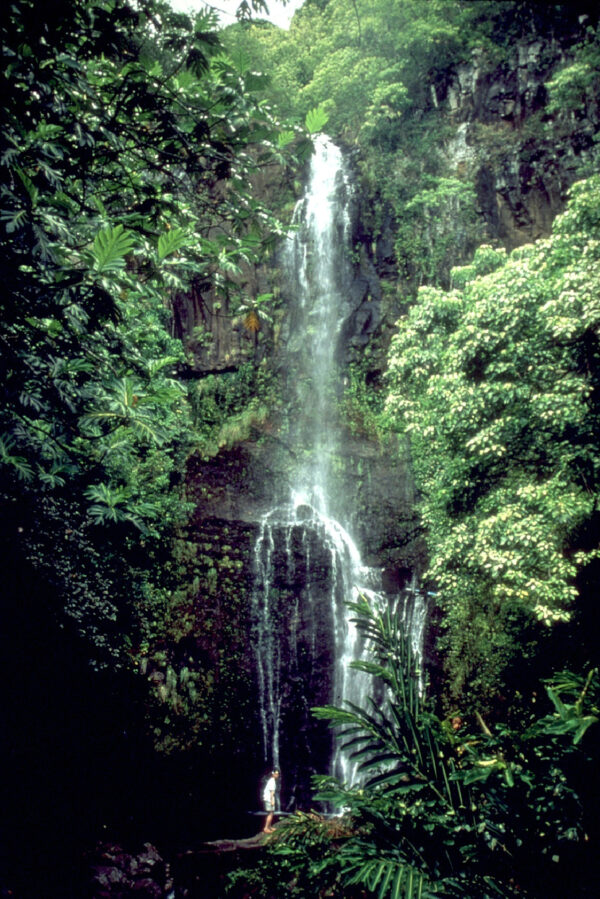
(128, 142)
(495, 383)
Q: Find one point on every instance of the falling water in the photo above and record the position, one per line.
(309, 519)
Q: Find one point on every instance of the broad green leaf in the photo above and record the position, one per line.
(171, 241)
(110, 247)
(30, 187)
(316, 119)
(284, 138)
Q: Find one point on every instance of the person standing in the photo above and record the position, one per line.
(269, 800)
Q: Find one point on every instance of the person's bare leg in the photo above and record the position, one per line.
(267, 828)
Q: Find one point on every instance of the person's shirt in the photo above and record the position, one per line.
(269, 790)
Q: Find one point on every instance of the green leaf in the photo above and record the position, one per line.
(106, 495)
(398, 883)
(558, 705)
(585, 722)
(18, 463)
(316, 119)
(284, 138)
(389, 871)
(110, 247)
(30, 187)
(171, 241)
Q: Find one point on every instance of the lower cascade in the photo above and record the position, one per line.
(307, 567)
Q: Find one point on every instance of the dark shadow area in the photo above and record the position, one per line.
(78, 765)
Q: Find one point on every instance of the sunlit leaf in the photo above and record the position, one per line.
(316, 119)
(110, 247)
(171, 241)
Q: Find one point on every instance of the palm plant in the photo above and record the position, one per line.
(254, 312)
(413, 819)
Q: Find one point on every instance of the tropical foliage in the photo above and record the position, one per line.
(132, 141)
(442, 807)
(128, 136)
(382, 70)
(495, 383)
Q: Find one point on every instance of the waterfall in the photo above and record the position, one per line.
(307, 567)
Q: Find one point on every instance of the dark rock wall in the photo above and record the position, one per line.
(232, 491)
(215, 340)
(521, 160)
(304, 625)
(495, 133)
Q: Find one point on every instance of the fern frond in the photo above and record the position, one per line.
(284, 138)
(18, 463)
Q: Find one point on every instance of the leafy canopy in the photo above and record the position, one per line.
(128, 145)
(495, 384)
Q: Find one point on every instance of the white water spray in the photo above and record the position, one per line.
(319, 269)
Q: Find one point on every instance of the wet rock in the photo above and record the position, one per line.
(521, 174)
(119, 874)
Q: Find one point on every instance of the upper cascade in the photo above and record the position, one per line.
(319, 271)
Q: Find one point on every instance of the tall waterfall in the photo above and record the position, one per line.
(307, 565)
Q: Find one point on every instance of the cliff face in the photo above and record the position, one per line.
(490, 155)
(521, 159)
(215, 339)
(216, 622)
